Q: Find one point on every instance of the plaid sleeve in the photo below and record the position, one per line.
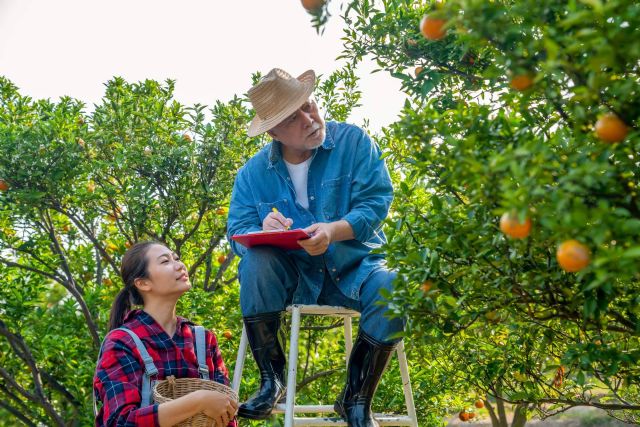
(219, 373)
(117, 384)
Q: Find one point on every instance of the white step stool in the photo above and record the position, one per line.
(290, 408)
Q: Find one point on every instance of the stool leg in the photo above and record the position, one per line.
(348, 339)
(292, 363)
(406, 384)
(242, 354)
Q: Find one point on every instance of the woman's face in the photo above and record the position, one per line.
(167, 275)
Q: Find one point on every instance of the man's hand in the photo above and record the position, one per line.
(321, 236)
(276, 221)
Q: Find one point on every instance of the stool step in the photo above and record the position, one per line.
(384, 420)
(304, 409)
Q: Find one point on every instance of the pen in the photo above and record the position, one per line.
(275, 210)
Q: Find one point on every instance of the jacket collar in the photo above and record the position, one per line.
(275, 150)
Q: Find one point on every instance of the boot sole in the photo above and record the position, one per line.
(253, 415)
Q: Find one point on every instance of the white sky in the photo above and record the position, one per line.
(72, 47)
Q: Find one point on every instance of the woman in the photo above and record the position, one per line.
(155, 278)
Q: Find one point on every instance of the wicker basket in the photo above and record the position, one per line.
(173, 388)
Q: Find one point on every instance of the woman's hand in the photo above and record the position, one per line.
(218, 406)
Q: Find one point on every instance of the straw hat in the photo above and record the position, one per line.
(277, 96)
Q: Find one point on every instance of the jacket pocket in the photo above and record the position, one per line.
(336, 194)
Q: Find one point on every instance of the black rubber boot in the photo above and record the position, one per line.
(368, 360)
(266, 341)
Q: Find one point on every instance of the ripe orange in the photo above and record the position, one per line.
(221, 259)
(610, 128)
(512, 227)
(472, 415)
(419, 71)
(227, 334)
(479, 404)
(221, 211)
(558, 379)
(4, 185)
(573, 256)
(312, 5)
(431, 28)
(464, 416)
(521, 82)
(426, 286)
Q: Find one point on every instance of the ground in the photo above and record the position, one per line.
(576, 417)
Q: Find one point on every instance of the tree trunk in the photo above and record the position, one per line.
(520, 415)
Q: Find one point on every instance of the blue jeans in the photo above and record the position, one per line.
(269, 278)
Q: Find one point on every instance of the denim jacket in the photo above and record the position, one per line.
(347, 180)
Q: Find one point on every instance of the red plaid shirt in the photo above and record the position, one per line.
(118, 378)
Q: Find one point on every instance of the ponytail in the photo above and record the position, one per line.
(119, 309)
(133, 266)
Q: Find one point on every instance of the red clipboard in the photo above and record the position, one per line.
(287, 239)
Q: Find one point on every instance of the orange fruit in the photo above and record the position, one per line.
(426, 286)
(431, 28)
(221, 259)
(419, 71)
(610, 128)
(479, 404)
(464, 416)
(227, 334)
(573, 256)
(512, 227)
(221, 211)
(472, 415)
(4, 185)
(312, 5)
(66, 228)
(521, 82)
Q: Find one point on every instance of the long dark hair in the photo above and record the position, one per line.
(134, 266)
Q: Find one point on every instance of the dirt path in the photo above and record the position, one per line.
(576, 417)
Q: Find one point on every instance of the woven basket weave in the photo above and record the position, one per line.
(173, 388)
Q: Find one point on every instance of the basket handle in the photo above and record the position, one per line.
(172, 386)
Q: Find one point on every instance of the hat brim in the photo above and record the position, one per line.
(259, 126)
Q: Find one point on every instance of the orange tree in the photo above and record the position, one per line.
(81, 188)
(529, 109)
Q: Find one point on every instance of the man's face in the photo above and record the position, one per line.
(303, 130)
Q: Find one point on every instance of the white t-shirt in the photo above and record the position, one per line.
(299, 175)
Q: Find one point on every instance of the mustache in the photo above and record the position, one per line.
(314, 128)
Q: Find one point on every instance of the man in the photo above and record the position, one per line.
(330, 181)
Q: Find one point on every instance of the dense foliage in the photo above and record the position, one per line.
(505, 116)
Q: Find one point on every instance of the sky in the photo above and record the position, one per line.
(211, 48)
